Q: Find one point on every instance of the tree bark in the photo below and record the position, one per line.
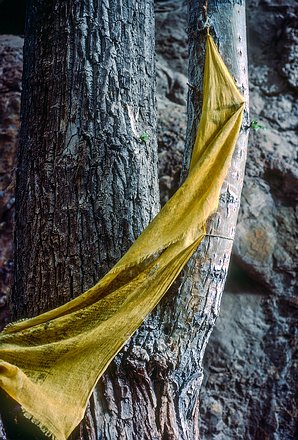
(87, 176)
(86, 183)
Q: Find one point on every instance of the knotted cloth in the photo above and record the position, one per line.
(51, 363)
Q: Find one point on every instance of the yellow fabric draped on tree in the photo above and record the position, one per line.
(51, 363)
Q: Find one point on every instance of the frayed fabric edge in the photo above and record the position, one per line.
(45, 430)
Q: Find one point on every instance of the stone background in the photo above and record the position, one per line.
(251, 363)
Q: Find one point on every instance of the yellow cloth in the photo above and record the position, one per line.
(51, 363)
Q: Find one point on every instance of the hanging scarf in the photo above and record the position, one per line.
(51, 363)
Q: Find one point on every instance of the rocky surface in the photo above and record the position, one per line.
(251, 361)
(11, 63)
(172, 65)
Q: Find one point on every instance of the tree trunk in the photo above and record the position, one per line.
(86, 183)
(87, 175)
(87, 186)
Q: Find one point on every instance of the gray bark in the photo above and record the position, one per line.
(86, 181)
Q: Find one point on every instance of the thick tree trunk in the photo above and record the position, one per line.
(86, 183)
(87, 176)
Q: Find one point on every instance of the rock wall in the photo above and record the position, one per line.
(11, 63)
(251, 361)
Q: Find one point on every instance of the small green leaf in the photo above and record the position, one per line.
(144, 137)
(256, 126)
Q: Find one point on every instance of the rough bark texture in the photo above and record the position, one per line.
(86, 181)
(200, 292)
(3, 435)
(151, 391)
